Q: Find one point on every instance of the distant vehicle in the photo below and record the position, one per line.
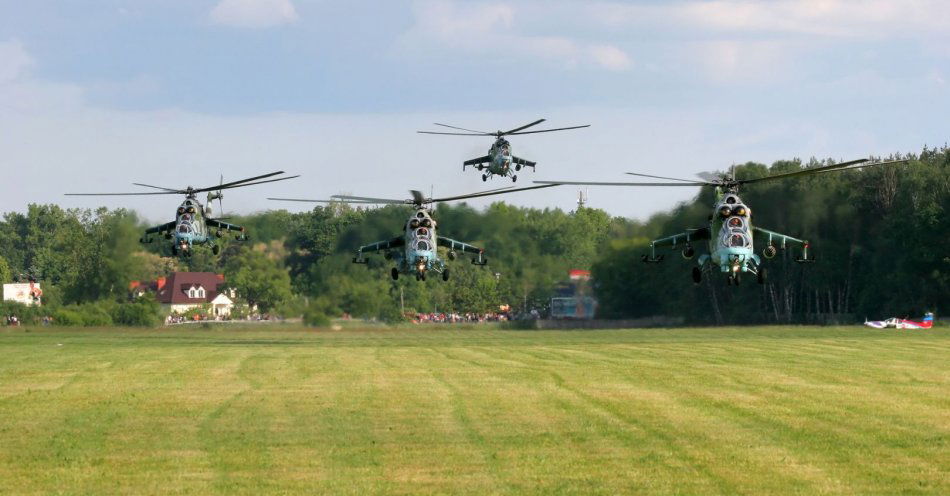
(499, 161)
(895, 323)
(194, 224)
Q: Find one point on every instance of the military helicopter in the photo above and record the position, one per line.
(194, 224)
(499, 159)
(419, 254)
(729, 232)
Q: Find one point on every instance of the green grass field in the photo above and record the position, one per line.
(780, 410)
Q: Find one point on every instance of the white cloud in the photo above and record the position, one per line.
(610, 57)
(491, 29)
(14, 61)
(835, 18)
(254, 13)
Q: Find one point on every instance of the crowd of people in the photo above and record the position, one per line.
(176, 318)
(458, 318)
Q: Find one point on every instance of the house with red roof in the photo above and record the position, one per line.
(183, 291)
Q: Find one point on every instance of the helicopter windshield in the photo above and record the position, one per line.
(422, 245)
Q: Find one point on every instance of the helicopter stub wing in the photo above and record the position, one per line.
(169, 226)
(476, 161)
(524, 163)
(686, 237)
(217, 224)
(384, 245)
(778, 236)
(458, 245)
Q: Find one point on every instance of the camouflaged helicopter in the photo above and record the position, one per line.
(730, 231)
(419, 244)
(499, 160)
(194, 224)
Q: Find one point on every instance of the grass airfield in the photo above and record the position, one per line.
(774, 410)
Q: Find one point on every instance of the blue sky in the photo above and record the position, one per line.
(97, 94)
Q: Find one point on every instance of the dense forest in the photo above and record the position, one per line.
(879, 236)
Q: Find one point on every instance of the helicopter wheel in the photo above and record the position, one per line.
(445, 274)
(763, 275)
(174, 251)
(395, 274)
(484, 177)
(215, 249)
(697, 275)
(422, 276)
(735, 279)
(518, 167)
(514, 178)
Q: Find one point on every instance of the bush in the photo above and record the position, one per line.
(390, 315)
(86, 315)
(314, 317)
(140, 313)
(25, 314)
(95, 314)
(68, 317)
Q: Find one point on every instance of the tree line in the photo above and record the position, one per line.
(879, 236)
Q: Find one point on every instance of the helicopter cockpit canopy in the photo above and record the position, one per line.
(421, 219)
(422, 245)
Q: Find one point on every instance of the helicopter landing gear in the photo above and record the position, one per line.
(421, 276)
(215, 249)
(514, 178)
(445, 274)
(174, 251)
(517, 167)
(762, 275)
(697, 275)
(484, 177)
(733, 280)
(395, 274)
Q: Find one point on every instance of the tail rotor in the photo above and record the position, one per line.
(216, 195)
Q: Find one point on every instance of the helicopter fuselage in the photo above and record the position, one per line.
(500, 153)
(190, 226)
(420, 254)
(730, 236)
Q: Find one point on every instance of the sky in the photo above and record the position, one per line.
(98, 94)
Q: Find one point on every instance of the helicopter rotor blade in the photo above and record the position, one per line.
(692, 181)
(225, 186)
(159, 187)
(591, 183)
(456, 134)
(526, 126)
(489, 193)
(234, 183)
(324, 201)
(126, 194)
(810, 170)
(549, 130)
(366, 199)
(417, 197)
(861, 166)
(462, 129)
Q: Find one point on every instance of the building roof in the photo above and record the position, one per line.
(175, 290)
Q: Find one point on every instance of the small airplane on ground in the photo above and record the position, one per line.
(895, 323)
(499, 160)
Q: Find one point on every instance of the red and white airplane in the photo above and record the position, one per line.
(895, 323)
